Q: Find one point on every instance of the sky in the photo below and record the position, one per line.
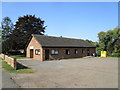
(81, 20)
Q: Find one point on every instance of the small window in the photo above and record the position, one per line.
(88, 50)
(67, 52)
(76, 51)
(83, 51)
(54, 52)
(37, 51)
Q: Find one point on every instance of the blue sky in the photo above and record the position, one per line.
(68, 19)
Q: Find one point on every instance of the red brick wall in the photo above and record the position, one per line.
(36, 45)
(62, 53)
(11, 61)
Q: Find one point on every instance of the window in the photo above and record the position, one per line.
(54, 52)
(83, 51)
(88, 50)
(37, 51)
(76, 51)
(67, 52)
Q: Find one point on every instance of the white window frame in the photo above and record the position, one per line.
(37, 51)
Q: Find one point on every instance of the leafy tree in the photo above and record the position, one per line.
(89, 41)
(93, 43)
(7, 28)
(0, 40)
(109, 41)
(24, 27)
(103, 40)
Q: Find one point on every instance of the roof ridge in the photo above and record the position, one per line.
(45, 40)
(57, 37)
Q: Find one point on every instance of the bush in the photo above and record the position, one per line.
(98, 52)
(115, 55)
(13, 52)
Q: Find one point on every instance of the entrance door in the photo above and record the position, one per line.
(31, 53)
(46, 54)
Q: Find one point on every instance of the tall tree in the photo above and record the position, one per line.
(0, 40)
(24, 27)
(109, 41)
(7, 28)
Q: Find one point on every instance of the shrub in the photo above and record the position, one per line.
(115, 55)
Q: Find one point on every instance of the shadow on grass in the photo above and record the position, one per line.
(20, 66)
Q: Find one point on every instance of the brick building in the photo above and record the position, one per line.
(48, 47)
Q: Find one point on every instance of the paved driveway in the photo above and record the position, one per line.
(77, 73)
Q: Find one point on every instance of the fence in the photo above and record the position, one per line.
(11, 61)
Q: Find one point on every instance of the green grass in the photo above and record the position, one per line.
(0, 61)
(11, 70)
(19, 57)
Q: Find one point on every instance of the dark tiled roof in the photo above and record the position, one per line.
(50, 41)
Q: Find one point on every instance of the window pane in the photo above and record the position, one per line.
(52, 51)
(83, 51)
(76, 51)
(67, 52)
(37, 52)
(56, 52)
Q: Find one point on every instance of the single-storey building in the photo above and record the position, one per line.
(43, 48)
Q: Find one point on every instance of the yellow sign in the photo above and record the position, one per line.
(103, 53)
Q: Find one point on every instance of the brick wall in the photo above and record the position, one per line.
(11, 61)
(36, 45)
(62, 53)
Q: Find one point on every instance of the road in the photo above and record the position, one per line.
(7, 81)
(72, 73)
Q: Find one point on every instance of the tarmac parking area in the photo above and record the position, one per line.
(94, 72)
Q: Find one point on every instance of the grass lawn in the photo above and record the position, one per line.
(0, 61)
(19, 56)
(8, 68)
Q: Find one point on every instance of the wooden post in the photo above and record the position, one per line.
(15, 64)
(4, 57)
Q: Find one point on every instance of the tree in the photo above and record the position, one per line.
(0, 40)
(89, 41)
(96, 44)
(109, 41)
(7, 28)
(24, 28)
